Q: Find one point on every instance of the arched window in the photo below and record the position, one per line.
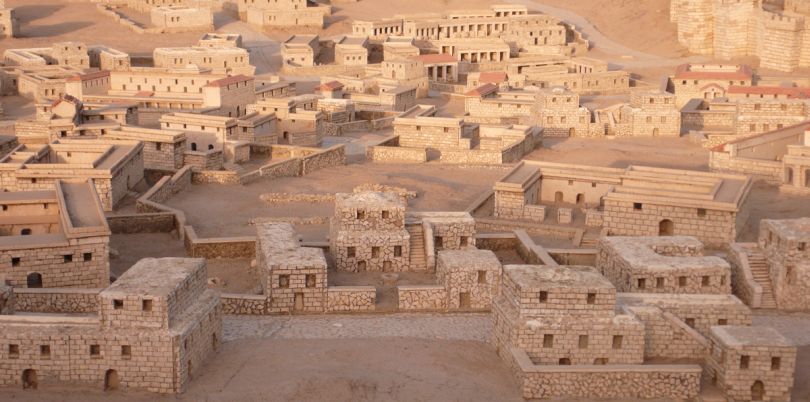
(666, 228)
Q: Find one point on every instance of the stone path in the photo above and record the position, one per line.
(472, 327)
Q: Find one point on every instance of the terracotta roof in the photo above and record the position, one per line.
(89, 76)
(224, 82)
(493, 77)
(684, 71)
(330, 86)
(485, 89)
(436, 58)
(791, 92)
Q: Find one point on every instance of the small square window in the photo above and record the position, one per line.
(310, 278)
(118, 304)
(690, 322)
(360, 214)
(543, 297)
(681, 281)
(659, 283)
(704, 280)
(67, 258)
(776, 362)
(548, 341)
(701, 212)
(375, 252)
(591, 298)
(642, 283)
(350, 252)
(126, 351)
(617, 341)
(385, 214)
(438, 242)
(284, 281)
(482, 277)
(722, 321)
(45, 351)
(146, 305)
(13, 351)
(87, 257)
(95, 350)
(637, 206)
(744, 360)
(583, 341)
(15, 261)
(397, 251)
(462, 241)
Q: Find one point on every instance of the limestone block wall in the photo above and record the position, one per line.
(58, 300)
(716, 228)
(787, 262)
(75, 264)
(203, 161)
(771, 171)
(668, 337)
(357, 251)
(242, 304)
(695, 20)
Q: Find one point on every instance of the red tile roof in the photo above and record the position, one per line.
(436, 58)
(330, 86)
(791, 92)
(492, 77)
(224, 82)
(483, 90)
(684, 71)
(89, 76)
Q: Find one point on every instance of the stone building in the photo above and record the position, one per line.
(153, 329)
(673, 264)
(352, 51)
(560, 113)
(751, 363)
(178, 18)
(300, 50)
(107, 58)
(636, 201)
(55, 238)
(284, 13)
(157, 91)
(163, 150)
(293, 277)
(775, 32)
(114, 167)
(367, 233)
(9, 24)
(221, 60)
(297, 122)
(471, 278)
(708, 81)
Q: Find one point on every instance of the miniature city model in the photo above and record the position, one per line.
(591, 200)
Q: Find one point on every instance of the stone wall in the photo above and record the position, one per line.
(56, 300)
(421, 297)
(154, 222)
(242, 304)
(769, 170)
(220, 247)
(742, 281)
(395, 154)
(215, 177)
(350, 298)
(677, 382)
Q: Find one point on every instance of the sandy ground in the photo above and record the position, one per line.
(439, 188)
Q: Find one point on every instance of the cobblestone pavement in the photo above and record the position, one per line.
(795, 326)
(471, 327)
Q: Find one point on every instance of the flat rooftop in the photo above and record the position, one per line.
(564, 276)
(742, 335)
(155, 276)
(791, 229)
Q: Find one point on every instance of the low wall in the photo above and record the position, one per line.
(283, 198)
(499, 225)
(573, 256)
(743, 284)
(624, 381)
(215, 177)
(152, 200)
(422, 297)
(332, 156)
(220, 247)
(242, 304)
(153, 222)
(350, 298)
(496, 241)
(387, 154)
(56, 300)
(771, 171)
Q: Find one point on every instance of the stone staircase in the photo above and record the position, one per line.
(761, 274)
(589, 240)
(417, 253)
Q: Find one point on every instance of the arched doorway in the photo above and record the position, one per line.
(655, 132)
(572, 132)
(757, 391)
(558, 196)
(580, 199)
(34, 280)
(29, 379)
(789, 175)
(193, 146)
(666, 228)
(111, 380)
